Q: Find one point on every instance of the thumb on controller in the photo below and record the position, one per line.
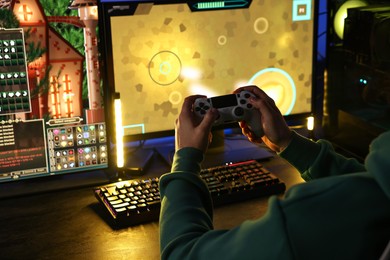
(209, 119)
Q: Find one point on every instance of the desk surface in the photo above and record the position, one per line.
(68, 224)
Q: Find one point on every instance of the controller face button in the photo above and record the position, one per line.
(239, 111)
(247, 95)
(201, 104)
(242, 101)
(249, 106)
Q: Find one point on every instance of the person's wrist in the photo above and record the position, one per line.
(187, 159)
(285, 141)
(193, 145)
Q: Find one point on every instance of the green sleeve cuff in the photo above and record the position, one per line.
(187, 159)
(301, 152)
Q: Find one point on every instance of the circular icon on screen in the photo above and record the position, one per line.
(261, 25)
(165, 68)
(175, 97)
(279, 85)
(222, 40)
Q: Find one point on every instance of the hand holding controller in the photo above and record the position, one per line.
(231, 108)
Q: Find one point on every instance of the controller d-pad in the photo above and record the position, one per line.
(202, 108)
(205, 108)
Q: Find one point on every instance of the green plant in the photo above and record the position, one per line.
(8, 19)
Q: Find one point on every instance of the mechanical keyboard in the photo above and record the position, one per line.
(133, 202)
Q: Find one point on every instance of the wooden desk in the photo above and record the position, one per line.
(67, 224)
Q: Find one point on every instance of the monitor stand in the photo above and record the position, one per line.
(225, 149)
(218, 141)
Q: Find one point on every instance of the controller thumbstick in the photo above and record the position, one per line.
(239, 111)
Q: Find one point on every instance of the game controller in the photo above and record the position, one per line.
(231, 108)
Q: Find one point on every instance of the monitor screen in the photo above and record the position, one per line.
(45, 127)
(155, 53)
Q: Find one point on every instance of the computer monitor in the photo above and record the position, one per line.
(46, 129)
(155, 53)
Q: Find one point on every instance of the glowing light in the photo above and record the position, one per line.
(275, 91)
(94, 11)
(279, 85)
(25, 14)
(55, 98)
(202, 90)
(310, 123)
(191, 73)
(363, 81)
(119, 133)
(285, 40)
(211, 5)
(67, 96)
(221, 4)
(241, 83)
(341, 14)
(165, 68)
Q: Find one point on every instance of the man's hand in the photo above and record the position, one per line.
(277, 135)
(192, 131)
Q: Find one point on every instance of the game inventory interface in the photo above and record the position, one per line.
(168, 51)
(35, 146)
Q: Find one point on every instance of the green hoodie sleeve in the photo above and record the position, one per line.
(184, 199)
(308, 210)
(318, 159)
(186, 227)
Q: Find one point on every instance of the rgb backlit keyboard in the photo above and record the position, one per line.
(132, 202)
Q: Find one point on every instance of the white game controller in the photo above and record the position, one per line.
(231, 108)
